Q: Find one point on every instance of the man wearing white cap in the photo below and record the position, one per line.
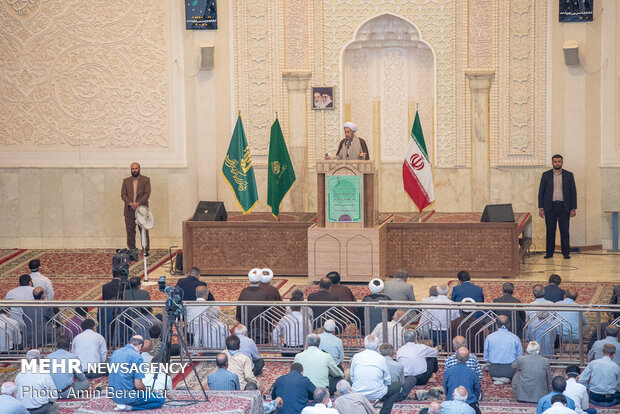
(265, 279)
(37, 390)
(352, 147)
(253, 293)
(376, 287)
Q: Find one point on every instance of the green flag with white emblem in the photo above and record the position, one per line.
(280, 176)
(238, 170)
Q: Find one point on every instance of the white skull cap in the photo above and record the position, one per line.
(329, 325)
(266, 278)
(376, 285)
(255, 275)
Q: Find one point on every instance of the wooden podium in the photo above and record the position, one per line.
(345, 237)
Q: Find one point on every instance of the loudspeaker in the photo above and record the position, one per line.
(210, 211)
(498, 213)
(571, 53)
(206, 56)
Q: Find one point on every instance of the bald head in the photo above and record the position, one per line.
(462, 354)
(201, 292)
(221, 360)
(9, 388)
(397, 315)
(443, 289)
(38, 293)
(571, 293)
(435, 407)
(458, 341)
(503, 321)
(460, 394)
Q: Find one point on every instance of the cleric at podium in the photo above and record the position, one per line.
(352, 147)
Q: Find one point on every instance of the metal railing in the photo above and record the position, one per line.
(279, 329)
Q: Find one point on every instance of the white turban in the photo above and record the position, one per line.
(255, 275)
(350, 125)
(266, 278)
(376, 285)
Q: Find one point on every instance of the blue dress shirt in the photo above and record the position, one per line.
(502, 347)
(461, 375)
(223, 380)
(573, 319)
(545, 402)
(601, 376)
(122, 383)
(248, 347)
(456, 407)
(11, 405)
(61, 380)
(331, 344)
(294, 389)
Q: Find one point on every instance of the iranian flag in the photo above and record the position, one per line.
(417, 173)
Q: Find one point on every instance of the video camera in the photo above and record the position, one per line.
(174, 303)
(121, 262)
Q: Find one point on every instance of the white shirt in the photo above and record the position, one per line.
(395, 333)
(370, 374)
(578, 393)
(319, 409)
(438, 317)
(38, 280)
(290, 329)
(413, 357)
(19, 293)
(9, 333)
(208, 330)
(538, 314)
(558, 408)
(38, 389)
(89, 346)
(163, 382)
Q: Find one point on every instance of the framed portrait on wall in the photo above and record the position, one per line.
(322, 97)
(576, 11)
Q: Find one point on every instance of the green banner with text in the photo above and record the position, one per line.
(344, 198)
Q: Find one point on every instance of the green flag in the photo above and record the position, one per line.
(238, 171)
(280, 176)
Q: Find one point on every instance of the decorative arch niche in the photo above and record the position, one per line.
(386, 70)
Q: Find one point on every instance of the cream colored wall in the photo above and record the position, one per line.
(43, 206)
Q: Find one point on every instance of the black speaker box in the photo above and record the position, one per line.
(210, 211)
(498, 213)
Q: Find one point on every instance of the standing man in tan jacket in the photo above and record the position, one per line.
(135, 192)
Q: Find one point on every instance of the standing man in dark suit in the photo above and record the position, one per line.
(135, 192)
(557, 203)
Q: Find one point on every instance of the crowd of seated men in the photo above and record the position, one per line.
(386, 373)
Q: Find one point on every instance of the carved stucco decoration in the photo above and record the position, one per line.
(83, 73)
(296, 34)
(258, 68)
(436, 21)
(480, 33)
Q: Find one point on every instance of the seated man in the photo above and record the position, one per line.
(558, 405)
(596, 352)
(246, 314)
(38, 280)
(10, 334)
(501, 349)
(468, 325)
(553, 291)
(395, 330)
(577, 391)
(36, 390)
(203, 323)
(294, 390)
(67, 383)
(321, 400)
(322, 295)
(319, 366)
(532, 378)
(602, 378)
(397, 371)
(540, 323)
(350, 402)
(90, 347)
(376, 286)
(9, 402)
(458, 404)
(466, 289)
(268, 406)
(419, 360)
(128, 390)
(558, 385)
(370, 376)
(38, 327)
(289, 332)
(265, 284)
(22, 292)
(189, 284)
(472, 362)
(461, 375)
(238, 363)
(248, 347)
(517, 319)
(437, 321)
(330, 343)
(223, 379)
(574, 333)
